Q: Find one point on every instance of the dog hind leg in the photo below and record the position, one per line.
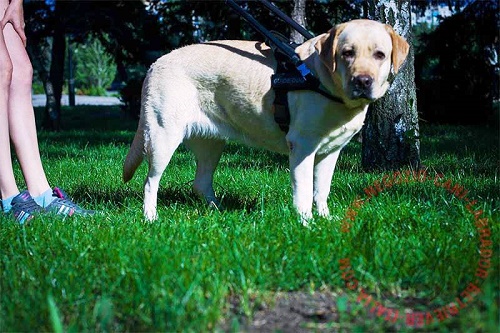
(159, 151)
(207, 153)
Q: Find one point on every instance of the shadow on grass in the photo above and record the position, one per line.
(85, 126)
(167, 197)
(458, 140)
(93, 118)
(185, 196)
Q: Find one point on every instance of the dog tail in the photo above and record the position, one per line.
(134, 156)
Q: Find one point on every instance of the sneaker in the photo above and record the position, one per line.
(63, 205)
(24, 207)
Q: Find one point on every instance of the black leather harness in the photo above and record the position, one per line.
(289, 78)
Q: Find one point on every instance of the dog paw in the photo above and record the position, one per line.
(150, 215)
(306, 219)
(323, 210)
(215, 204)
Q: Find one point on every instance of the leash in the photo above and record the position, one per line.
(286, 49)
(292, 74)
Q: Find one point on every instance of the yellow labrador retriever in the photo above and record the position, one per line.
(202, 95)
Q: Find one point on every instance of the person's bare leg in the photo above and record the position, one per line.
(21, 115)
(8, 187)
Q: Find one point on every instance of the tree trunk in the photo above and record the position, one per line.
(53, 86)
(299, 16)
(391, 132)
(41, 56)
(233, 26)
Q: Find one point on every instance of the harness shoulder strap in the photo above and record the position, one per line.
(290, 78)
(281, 108)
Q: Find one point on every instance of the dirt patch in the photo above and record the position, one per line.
(319, 311)
(287, 312)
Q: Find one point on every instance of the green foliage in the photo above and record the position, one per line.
(114, 272)
(420, 32)
(452, 72)
(214, 20)
(38, 88)
(95, 68)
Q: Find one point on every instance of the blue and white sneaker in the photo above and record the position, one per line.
(24, 207)
(63, 205)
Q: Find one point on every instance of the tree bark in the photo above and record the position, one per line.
(299, 16)
(40, 54)
(53, 86)
(391, 131)
(233, 26)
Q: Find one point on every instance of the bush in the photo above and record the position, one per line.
(92, 91)
(37, 88)
(95, 68)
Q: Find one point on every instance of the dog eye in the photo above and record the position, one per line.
(348, 53)
(379, 55)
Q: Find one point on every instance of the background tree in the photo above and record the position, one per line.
(299, 16)
(391, 130)
(127, 23)
(455, 79)
(215, 20)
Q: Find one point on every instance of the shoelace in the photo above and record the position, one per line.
(60, 193)
(66, 202)
(63, 199)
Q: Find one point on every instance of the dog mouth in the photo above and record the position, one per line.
(357, 94)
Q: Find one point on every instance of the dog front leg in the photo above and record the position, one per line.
(324, 165)
(301, 175)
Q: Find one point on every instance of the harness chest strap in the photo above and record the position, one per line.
(288, 78)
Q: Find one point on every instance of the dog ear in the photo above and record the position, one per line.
(400, 48)
(327, 45)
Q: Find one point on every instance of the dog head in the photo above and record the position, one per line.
(359, 54)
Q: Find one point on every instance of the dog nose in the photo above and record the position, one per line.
(363, 81)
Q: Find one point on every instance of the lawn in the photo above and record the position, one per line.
(402, 252)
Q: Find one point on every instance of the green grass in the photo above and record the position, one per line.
(412, 246)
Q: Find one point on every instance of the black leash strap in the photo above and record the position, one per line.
(283, 47)
(287, 78)
(300, 29)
